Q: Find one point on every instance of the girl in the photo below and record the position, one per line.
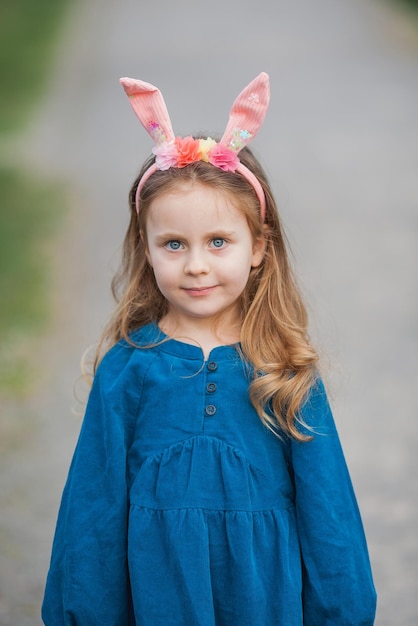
(208, 486)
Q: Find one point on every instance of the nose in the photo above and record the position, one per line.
(196, 263)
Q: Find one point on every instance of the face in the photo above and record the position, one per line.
(201, 250)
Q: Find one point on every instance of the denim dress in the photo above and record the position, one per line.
(182, 509)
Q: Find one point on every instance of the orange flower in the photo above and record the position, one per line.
(188, 151)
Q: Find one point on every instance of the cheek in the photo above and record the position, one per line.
(237, 264)
(155, 257)
(236, 272)
(164, 272)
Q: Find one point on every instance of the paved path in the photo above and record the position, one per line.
(340, 146)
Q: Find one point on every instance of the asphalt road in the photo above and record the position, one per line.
(340, 146)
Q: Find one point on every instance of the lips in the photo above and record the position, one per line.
(199, 291)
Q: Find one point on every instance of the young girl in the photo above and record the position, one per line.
(208, 486)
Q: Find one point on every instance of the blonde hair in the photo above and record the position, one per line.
(274, 336)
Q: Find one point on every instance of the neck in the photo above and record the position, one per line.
(201, 333)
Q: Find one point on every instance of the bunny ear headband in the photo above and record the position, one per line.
(245, 119)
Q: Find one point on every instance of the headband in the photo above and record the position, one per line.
(245, 119)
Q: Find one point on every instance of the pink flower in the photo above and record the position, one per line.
(166, 155)
(224, 158)
(188, 151)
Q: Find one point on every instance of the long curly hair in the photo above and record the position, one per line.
(274, 338)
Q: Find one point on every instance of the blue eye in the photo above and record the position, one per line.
(218, 242)
(173, 245)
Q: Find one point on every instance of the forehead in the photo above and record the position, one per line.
(196, 206)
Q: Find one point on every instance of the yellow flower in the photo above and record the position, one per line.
(204, 147)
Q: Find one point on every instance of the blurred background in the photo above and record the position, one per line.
(340, 145)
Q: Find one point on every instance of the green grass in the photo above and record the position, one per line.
(27, 220)
(29, 32)
(29, 216)
(409, 7)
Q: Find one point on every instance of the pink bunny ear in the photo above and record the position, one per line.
(247, 113)
(149, 106)
(245, 118)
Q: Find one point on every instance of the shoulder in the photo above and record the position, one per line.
(317, 395)
(118, 384)
(128, 360)
(315, 415)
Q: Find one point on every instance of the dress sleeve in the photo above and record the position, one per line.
(337, 580)
(88, 579)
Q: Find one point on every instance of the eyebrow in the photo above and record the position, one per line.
(163, 237)
(211, 235)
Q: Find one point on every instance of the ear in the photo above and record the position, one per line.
(144, 241)
(259, 249)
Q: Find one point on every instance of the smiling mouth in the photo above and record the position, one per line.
(199, 291)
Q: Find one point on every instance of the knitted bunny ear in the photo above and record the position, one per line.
(245, 118)
(247, 113)
(149, 106)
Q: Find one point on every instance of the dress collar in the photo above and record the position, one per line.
(152, 334)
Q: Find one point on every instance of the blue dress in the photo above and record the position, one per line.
(182, 509)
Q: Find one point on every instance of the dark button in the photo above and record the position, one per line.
(210, 409)
(210, 387)
(212, 366)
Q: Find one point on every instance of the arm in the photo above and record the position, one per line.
(88, 580)
(337, 586)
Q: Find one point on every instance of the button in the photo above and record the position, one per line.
(210, 409)
(212, 366)
(210, 387)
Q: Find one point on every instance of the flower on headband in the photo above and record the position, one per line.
(188, 151)
(223, 157)
(166, 155)
(205, 146)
